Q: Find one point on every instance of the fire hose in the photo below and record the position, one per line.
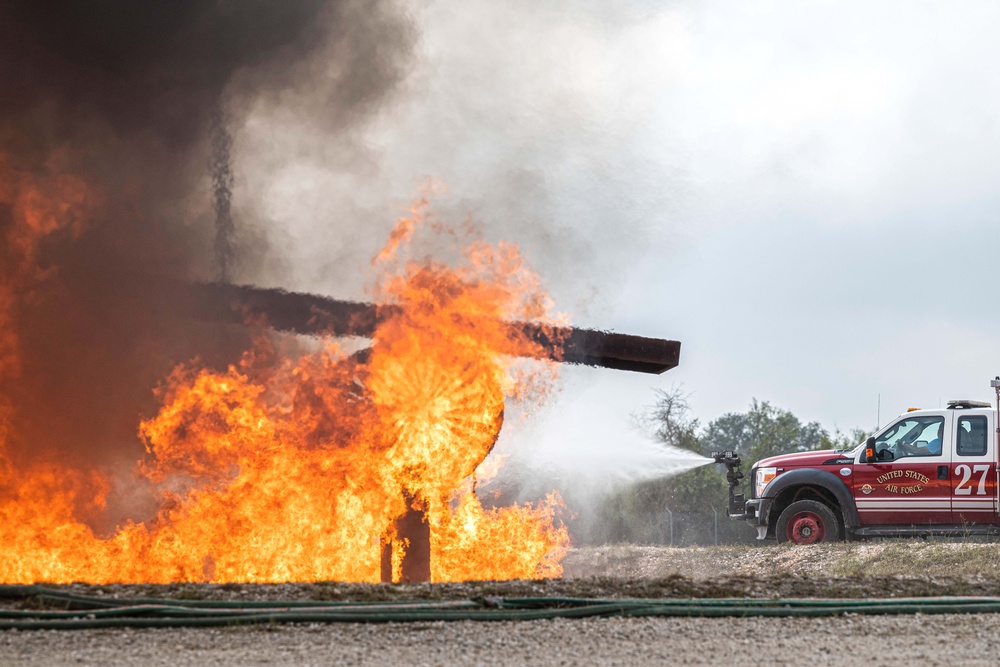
(66, 611)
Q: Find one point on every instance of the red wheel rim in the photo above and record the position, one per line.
(805, 528)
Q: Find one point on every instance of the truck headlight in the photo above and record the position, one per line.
(764, 475)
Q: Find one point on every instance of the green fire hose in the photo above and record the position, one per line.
(49, 609)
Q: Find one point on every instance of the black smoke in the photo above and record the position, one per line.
(142, 100)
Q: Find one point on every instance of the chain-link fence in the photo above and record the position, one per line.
(665, 527)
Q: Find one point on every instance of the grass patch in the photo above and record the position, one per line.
(917, 558)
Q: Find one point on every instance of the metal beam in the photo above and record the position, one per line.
(317, 315)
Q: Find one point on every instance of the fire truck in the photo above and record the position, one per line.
(928, 472)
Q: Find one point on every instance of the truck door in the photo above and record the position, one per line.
(973, 471)
(909, 484)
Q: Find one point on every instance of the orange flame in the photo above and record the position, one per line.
(292, 467)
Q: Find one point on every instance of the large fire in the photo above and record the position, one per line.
(293, 466)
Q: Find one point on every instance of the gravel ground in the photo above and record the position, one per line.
(890, 569)
(872, 640)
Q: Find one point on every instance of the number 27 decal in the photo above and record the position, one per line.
(966, 472)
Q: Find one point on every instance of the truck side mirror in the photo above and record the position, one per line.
(869, 456)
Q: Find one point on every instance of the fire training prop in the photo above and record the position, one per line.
(315, 315)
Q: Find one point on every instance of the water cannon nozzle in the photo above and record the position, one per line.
(727, 457)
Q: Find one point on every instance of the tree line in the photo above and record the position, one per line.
(690, 508)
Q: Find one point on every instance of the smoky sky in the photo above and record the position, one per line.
(133, 69)
(122, 95)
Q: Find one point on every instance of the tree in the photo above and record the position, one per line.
(845, 439)
(690, 501)
(763, 431)
(670, 419)
(694, 498)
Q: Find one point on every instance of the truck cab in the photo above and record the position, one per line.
(928, 472)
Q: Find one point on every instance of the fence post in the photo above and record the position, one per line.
(670, 518)
(716, 525)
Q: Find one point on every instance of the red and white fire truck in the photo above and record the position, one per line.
(928, 472)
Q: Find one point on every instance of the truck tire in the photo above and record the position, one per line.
(807, 522)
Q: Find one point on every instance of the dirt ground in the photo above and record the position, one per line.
(887, 569)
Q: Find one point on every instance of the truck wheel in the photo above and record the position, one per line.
(807, 522)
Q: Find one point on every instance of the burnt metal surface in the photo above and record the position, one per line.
(413, 529)
(316, 315)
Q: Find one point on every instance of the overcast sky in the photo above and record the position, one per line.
(804, 194)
